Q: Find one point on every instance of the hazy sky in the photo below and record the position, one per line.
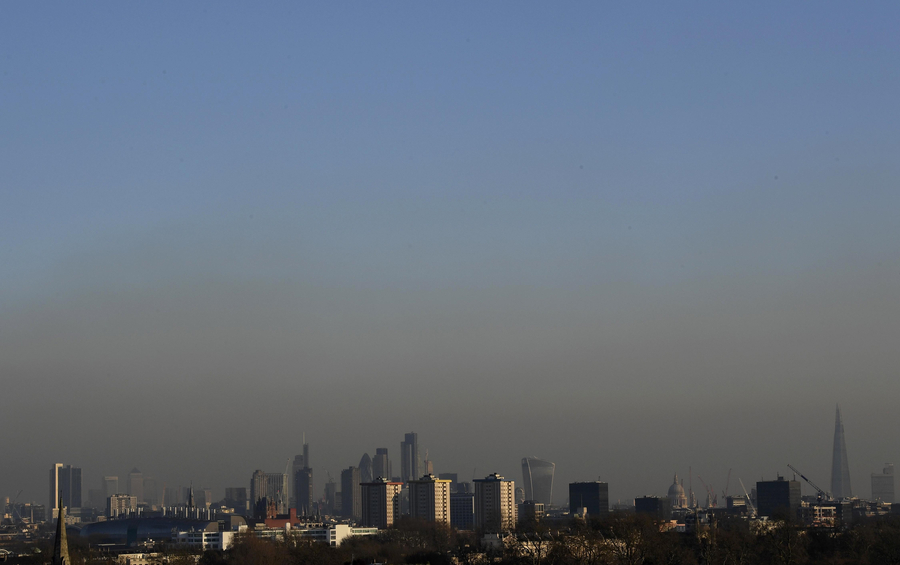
(631, 238)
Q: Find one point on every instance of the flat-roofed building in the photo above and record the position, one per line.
(591, 497)
(429, 499)
(495, 504)
(380, 503)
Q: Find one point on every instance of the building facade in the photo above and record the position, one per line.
(538, 480)
(495, 505)
(380, 503)
(381, 464)
(409, 457)
(351, 503)
(778, 497)
(429, 499)
(462, 510)
(303, 491)
(883, 485)
(591, 497)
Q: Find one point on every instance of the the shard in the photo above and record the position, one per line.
(840, 468)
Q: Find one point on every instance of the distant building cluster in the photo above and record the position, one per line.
(369, 497)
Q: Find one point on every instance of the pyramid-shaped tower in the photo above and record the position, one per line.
(840, 468)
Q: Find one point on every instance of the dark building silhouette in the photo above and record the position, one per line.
(303, 491)
(592, 496)
(462, 510)
(351, 501)
(840, 467)
(410, 469)
(381, 464)
(659, 508)
(778, 498)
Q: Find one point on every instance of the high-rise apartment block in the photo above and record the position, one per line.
(409, 457)
(538, 480)
(429, 499)
(591, 497)
(119, 504)
(883, 485)
(462, 510)
(380, 503)
(495, 505)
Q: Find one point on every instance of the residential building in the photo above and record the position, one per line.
(462, 510)
(119, 504)
(429, 499)
(495, 506)
(380, 502)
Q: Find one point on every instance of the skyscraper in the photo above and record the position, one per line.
(65, 485)
(136, 484)
(495, 506)
(351, 503)
(409, 457)
(303, 491)
(381, 464)
(110, 486)
(840, 468)
(538, 480)
(54, 488)
(365, 469)
(778, 497)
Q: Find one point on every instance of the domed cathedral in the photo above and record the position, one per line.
(676, 495)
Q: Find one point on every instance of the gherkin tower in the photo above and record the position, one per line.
(840, 468)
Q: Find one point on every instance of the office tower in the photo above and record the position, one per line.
(381, 464)
(301, 461)
(591, 497)
(365, 469)
(427, 465)
(331, 504)
(462, 510)
(71, 488)
(654, 506)
(380, 503)
(840, 468)
(453, 478)
(409, 457)
(778, 497)
(520, 495)
(303, 491)
(170, 496)
(259, 487)
(110, 486)
(277, 491)
(676, 496)
(883, 485)
(538, 483)
(351, 506)
(54, 488)
(495, 506)
(136, 484)
(429, 499)
(151, 492)
(119, 504)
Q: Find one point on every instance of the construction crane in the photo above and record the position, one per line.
(711, 498)
(750, 504)
(821, 494)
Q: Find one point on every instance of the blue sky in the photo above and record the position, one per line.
(579, 210)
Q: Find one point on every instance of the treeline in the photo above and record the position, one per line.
(619, 540)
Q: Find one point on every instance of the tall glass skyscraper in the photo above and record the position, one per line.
(840, 468)
(538, 480)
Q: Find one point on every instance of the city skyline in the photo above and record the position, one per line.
(636, 240)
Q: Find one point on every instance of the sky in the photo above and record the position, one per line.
(634, 239)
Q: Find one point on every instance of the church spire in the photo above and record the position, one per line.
(61, 546)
